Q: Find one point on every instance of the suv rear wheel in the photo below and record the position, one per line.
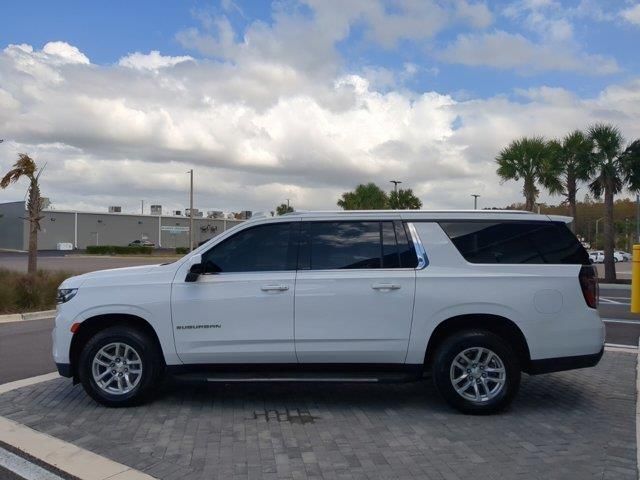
(119, 366)
(476, 372)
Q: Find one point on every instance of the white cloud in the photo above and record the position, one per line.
(632, 14)
(257, 132)
(62, 52)
(503, 50)
(151, 61)
(477, 14)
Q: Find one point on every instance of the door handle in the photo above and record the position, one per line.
(274, 288)
(385, 286)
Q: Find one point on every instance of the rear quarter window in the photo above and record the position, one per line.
(516, 242)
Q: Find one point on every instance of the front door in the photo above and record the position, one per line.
(241, 309)
(354, 292)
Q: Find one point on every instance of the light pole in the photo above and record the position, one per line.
(190, 172)
(475, 200)
(626, 233)
(597, 221)
(395, 185)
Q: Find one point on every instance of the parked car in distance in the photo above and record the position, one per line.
(597, 256)
(142, 243)
(470, 299)
(624, 256)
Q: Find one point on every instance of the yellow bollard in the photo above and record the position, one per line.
(635, 280)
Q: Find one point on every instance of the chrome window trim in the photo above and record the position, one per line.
(417, 244)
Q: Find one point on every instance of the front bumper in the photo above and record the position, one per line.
(548, 365)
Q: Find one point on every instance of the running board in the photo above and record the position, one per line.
(282, 377)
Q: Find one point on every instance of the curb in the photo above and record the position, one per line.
(23, 317)
(66, 457)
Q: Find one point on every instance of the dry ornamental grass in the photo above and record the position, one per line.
(20, 292)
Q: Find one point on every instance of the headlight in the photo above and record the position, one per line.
(65, 294)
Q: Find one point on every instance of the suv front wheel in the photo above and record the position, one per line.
(119, 366)
(476, 372)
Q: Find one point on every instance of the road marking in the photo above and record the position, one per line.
(618, 320)
(24, 468)
(608, 300)
(64, 456)
(617, 347)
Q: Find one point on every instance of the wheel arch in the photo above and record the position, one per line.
(97, 323)
(496, 324)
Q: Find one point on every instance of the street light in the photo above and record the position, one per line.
(395, 185)
(190, 172)
(475, 200)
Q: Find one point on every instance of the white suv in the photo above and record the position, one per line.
(471, 298)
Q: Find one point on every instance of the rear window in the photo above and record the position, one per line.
(516, 242)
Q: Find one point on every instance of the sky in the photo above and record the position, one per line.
(302, 99)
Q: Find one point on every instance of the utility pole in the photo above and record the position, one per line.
(475, 200)
(191, 211)
(142, 207)
(395, 185)
(626, 233)
(287, 203)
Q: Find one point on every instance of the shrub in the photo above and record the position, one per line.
(20, 292)
(182, 250)
(118, 250)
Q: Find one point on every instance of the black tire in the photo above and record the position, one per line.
(146, 349)
(454, 345)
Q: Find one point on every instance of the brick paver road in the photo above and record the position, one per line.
(578, 424)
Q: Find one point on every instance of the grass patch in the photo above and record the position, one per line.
(182, 250)
(118, 250)
(21, 293)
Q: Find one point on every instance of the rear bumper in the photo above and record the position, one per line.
(64, 369)
(548, 365)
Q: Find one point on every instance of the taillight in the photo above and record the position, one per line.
(589, 284)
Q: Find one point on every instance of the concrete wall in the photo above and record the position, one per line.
(101, 229)
(12, 226)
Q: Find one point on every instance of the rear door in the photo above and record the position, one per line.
(354, 292)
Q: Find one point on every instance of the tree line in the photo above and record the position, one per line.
(598, 157)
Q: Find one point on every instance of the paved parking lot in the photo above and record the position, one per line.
(578, 424)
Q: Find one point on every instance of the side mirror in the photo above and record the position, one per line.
(196, 268)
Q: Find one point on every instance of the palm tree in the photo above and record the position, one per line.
(529, 159)
(284, 208)
(404, 199)
(26, 167)
(615, 168)
(573, 156)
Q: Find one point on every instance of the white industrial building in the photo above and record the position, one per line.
(112, 227)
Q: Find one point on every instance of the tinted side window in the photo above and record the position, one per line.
(515, 242)
(408, 257)
(257, 249)
(390, 255)
(344, 245)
